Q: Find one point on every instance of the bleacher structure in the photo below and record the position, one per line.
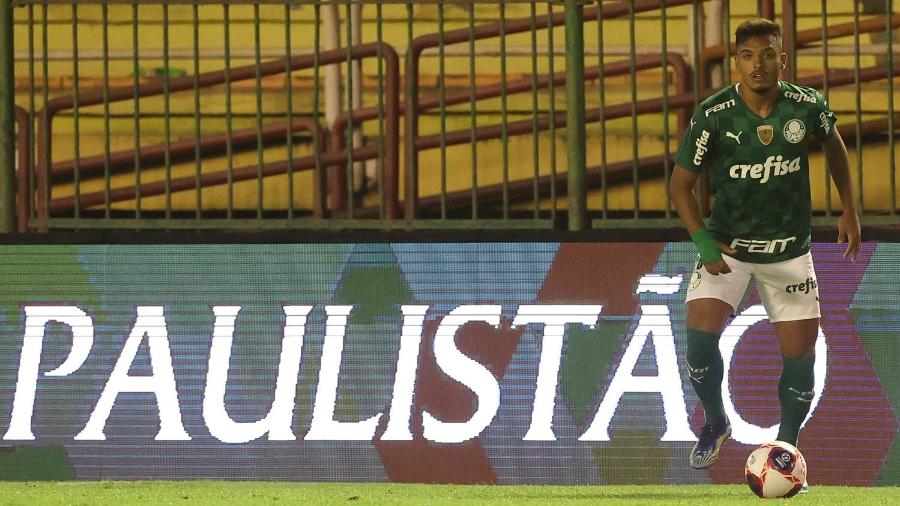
(230, 114)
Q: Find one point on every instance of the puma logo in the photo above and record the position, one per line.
(736, 137)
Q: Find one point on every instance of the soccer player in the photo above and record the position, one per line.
(753, 136)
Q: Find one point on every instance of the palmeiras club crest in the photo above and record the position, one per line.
(794, 131)
(765, 133)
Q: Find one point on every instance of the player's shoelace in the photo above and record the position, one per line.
(711, 439)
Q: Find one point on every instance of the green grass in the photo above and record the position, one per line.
(121, 493)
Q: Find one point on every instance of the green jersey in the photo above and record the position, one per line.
(758, 168)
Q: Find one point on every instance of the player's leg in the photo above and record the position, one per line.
(705, 320)
(710, 301)
(790, 293)
(795, 388)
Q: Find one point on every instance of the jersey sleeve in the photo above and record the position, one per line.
(822, 118)
(697, 143)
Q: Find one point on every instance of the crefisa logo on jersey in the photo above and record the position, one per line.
(701, 144)
(823, 122)
(794, 131)
(773, 166)
(799, 97)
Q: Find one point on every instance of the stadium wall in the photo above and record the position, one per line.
(455, 362)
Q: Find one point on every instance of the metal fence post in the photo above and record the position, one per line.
(575, 112)
(7, 122)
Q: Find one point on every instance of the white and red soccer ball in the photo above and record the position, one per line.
(775, 469)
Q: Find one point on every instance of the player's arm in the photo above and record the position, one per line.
(681, 191)
(839, 164)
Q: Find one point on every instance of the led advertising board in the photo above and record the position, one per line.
(417, 362)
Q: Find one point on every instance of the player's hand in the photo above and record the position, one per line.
(849, 232)
(720, 267)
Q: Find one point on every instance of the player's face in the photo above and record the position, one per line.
(760, 61)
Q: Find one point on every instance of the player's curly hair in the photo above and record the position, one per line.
(754, 27)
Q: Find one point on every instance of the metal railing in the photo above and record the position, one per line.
(508, 191)
(166, 152)
(484, 120)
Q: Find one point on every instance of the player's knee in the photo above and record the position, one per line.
(799, 351)
(797, 339)
(708, 315)
(798, 347)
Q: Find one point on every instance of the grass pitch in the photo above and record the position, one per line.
(121, 493)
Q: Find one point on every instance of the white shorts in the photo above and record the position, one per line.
(788, 289)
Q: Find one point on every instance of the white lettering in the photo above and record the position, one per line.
(554, 319)
(278, 421)
(756, 171)
(742, 430)
(150, 322)
(774, 165)
(405, 378)
(466, 371)
(763, 246)
(824, 123)
(654, 321)
(660, 284)
(799, 97)
(701, 144)
(36, 320)
(323, 425)
(719, 107)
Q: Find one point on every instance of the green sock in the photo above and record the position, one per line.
(706, 369)
(795, 391)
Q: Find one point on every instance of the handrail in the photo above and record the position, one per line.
(617, 173)
(484, 31)
(190, 182)
(684, 99)
(712, 54)
(682, 83)
(843, 77)
(214, 78)
(393, 109)
(648, 167)
(181, 150)
(335, 152)
(23, 146)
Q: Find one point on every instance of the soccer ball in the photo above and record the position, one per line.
(775, 469)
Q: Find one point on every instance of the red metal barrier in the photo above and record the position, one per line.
(179, 151)
(391, 113)
(23, 190)
(622, 172)
(67, 204)
(484, 31)
(715, 54)
(208, 79)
